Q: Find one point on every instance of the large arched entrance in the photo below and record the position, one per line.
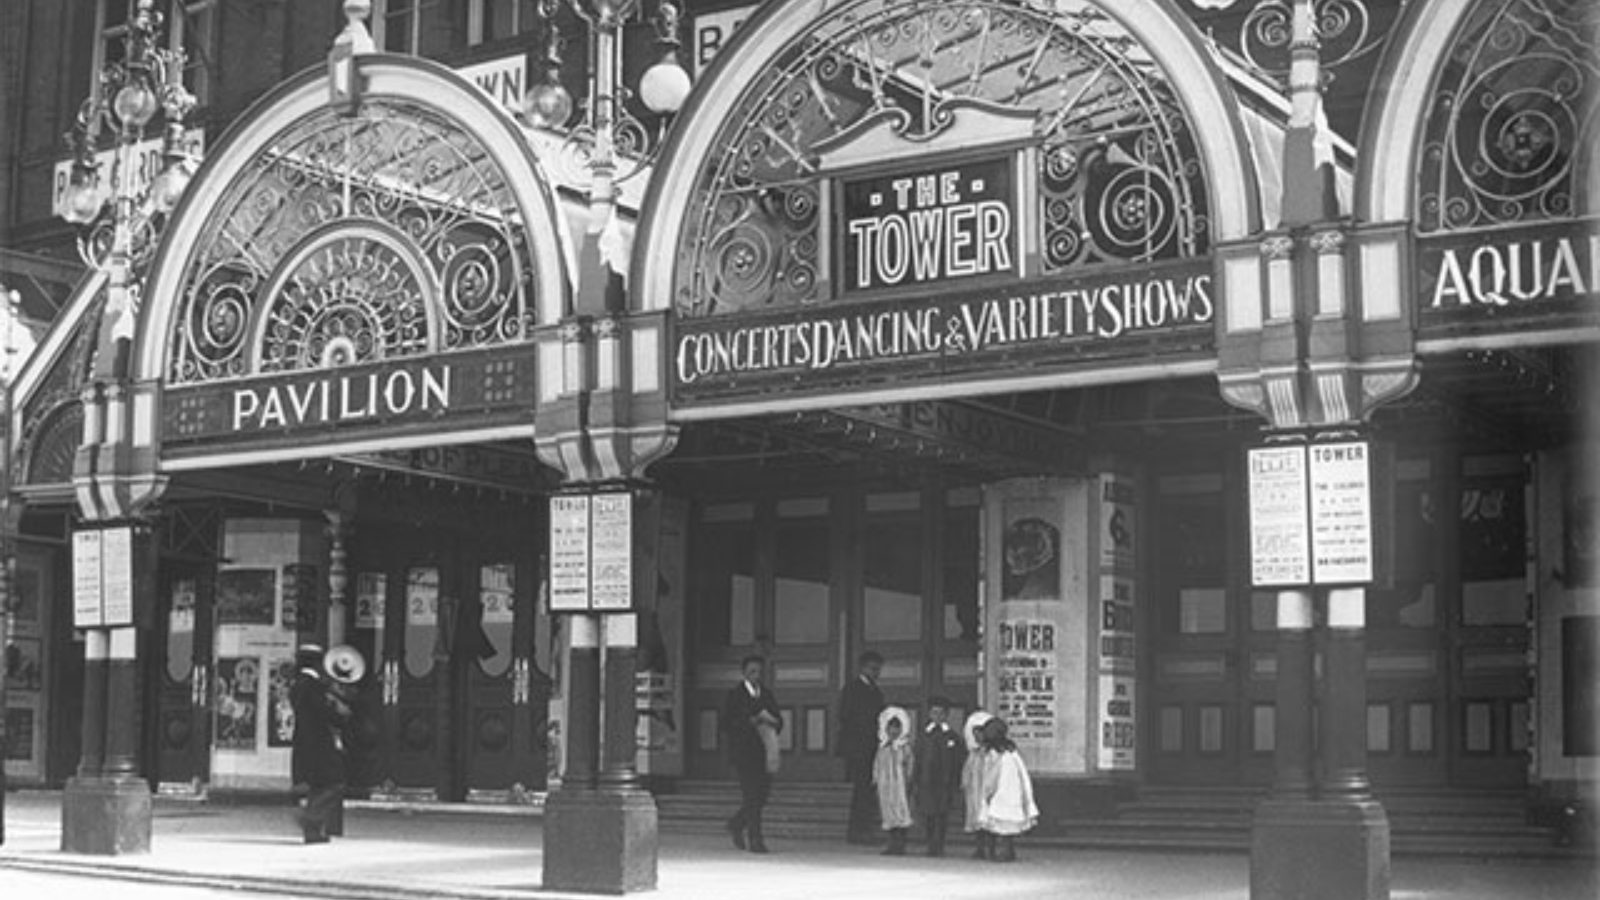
(337, 340)
(938, 273)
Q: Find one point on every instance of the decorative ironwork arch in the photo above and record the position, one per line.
(350, 239)
(1516, 107)
(1119, 179)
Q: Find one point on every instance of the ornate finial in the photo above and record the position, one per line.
(344, 85)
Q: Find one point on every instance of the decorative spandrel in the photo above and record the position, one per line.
(352, 240)
(1257, 35)
(1515, 102)
(1118, 180)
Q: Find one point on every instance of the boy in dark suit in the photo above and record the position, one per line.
(747, 706)
(936, 780)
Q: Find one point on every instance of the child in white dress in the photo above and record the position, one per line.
(1008, 807)
(972, 782)
(891, 773)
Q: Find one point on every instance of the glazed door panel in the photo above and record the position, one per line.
(182, 735)
(497, 729)
(418, 736)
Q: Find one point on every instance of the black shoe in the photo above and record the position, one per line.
(758, 846)
(316, 839)
(737, 834)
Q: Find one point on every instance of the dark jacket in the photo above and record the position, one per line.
(316, 759)
(859, 705)
(936, 786)
(739, 709)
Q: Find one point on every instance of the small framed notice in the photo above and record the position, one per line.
(116, 576)
(88, 609)
(569, 553)
(1280, 542)
(611, 552)
(1341, 513)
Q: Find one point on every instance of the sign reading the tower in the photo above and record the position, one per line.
(937, 226)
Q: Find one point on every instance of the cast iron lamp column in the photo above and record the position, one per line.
(7, 528)
(602, 429)
(106, 806)
(1320, 363)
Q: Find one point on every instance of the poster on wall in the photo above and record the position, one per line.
(238, 685)
(300, 598)
(1038, 636)
(1028, 680)
(372, 590)
(658, 680)
(1031, 551)
(280, 711)
(1116, 624)
(1118, 515)
(496, 584)
(246, 596)
(1117, 743)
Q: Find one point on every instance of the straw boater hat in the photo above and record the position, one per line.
(345, 664)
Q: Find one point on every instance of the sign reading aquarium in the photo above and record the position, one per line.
(1085, 316)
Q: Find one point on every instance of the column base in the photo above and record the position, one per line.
(600, 841)
(105, 816)
(1319, 850)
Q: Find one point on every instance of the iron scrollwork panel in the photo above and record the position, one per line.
(353, 240)
(1119, 176)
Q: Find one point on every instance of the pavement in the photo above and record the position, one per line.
(408, 852)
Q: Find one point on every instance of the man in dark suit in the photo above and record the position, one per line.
(316, 759)
(748, 708)
(859, 705)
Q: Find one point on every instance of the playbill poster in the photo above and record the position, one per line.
(1037, 639)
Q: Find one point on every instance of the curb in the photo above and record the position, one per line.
(331, 890)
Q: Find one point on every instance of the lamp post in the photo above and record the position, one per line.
(601, 831)
(7, 604)
(106, 806)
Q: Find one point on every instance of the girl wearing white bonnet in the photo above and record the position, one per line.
(891, 772)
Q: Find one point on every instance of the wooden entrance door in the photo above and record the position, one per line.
(461, 714)
(767, 581)
(1210, 713)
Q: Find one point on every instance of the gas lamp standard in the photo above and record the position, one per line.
(106, 806)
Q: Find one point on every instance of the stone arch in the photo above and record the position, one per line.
(429, 168)
(1423, 68)
(1163, 39)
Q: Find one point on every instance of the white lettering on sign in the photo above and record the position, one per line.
(928, 227)
(1105, 312)
(1517, 272)
(340, 399)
